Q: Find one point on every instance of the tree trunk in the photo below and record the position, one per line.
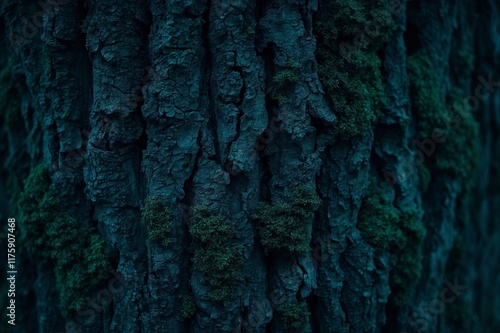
(252, 166)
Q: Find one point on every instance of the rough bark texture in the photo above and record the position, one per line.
(211, 107)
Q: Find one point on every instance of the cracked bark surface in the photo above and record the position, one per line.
(178, 100)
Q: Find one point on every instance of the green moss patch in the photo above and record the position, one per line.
(157, 219)
(399, 231)
(349, 34)
(427, 95)
(444, 116)
(284, 82)
(217, 255)
(295, 316)
(285, 227)
(80, 259)
(459, 154)
(378, 222)
(188, 306)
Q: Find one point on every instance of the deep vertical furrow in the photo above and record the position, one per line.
(290, 150)
(117, 43)
(176, 111)
(344, 177)
(349, 283)
(240, 116)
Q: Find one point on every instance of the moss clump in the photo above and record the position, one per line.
(10, 103)
(459, 154)
(459, 150)
(217, 255)
(284, 81)
(408, 260)
(78, 274)
(378, 222)
(80, 259)
(37, 194)
(285, 227)
(399, 231)
(188, 306)
(295, 316)
(350, 73)
(157, 219)
(427, 95)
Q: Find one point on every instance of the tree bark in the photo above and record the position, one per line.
(231, 104)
